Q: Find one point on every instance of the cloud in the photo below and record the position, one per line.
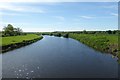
(60, 17)
(15, 23)
(95, 17)
(111, 7)
(9, 14)
(87, 17)
(8, 6)
(114, 14)
(18, 8)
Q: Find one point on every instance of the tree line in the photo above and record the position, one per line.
(97, 32)
(9, 30)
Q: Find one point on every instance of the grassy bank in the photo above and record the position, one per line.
(103, 42)
(12, 42)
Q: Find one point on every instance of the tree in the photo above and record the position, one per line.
(9, 30)
(84, 31)
(17, 31)
(114, 32)
(109, 32)
(66, 35)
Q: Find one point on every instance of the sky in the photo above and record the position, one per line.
(59, 16)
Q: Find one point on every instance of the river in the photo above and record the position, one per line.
(57, 57)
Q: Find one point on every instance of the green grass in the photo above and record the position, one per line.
(102, 42)
(17, 39)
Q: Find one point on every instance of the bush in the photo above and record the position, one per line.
(66, 35)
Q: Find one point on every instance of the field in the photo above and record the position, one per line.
(17, 39)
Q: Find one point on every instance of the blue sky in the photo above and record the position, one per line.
(60, 16)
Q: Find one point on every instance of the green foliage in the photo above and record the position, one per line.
(11, 31)
(109, 32)
(57, 34)
(66, 35)
(45, 33)
(84, 31)
(102, 42)
(17, 31)
(51, 34)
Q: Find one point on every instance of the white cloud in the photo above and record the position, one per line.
(3, 23)
(13, 7)
(87, 17)
(8, 6)
(9, 14)
(111, 7)
(114, 14)
(43, 29)
(93, 17)
(60, 17)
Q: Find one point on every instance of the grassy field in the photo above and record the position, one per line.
(103, 42)
(17, 39)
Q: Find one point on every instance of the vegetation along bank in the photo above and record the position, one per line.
(12, 38)
(13, 42)
(104, 41)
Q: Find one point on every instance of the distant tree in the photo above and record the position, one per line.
(84, 31)
(109, 32)
(57, 34)
(114, 32)
(9, 30)
(51, 34)
(17, 31)
(66, 35)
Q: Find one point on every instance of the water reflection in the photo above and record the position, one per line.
(54, 57)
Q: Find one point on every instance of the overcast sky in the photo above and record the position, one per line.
(60, 16)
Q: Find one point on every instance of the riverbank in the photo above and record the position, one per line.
(13, 42)
(103, 42)
(106, 43)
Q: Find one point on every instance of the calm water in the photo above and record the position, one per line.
(58, 57)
